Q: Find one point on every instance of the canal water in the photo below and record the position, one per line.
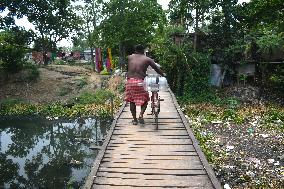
(48, 154)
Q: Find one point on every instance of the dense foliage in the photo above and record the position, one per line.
(13, 47)
(187, 71)
(219, 32)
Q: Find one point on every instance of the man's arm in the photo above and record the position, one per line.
(156, 68)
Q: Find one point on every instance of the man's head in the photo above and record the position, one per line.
(139, 49)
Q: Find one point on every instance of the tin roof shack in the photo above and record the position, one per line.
(201, 40)
(28, 56)
(266, 62)
(87, 54)
(179, 38)
(276, 55)
(244, 71)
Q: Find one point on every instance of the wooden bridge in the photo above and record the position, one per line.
(138, 156)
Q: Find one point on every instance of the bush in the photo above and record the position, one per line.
(121, 87)
(103, 95)
(99, 97)
(71, 61)
(194, 86)
(11, 102)
(187, 71)
(274, 114)
(59, 62)
(64, 91)
(197, 81)
(81, 82)
(32, 71)
(13, 46)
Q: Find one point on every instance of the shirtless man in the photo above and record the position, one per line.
(135, 93)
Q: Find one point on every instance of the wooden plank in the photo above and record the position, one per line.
(143, 137)
(162, 138)
(143, 132)
(151, 134)
(105, 186)
(158, 166)
(152, 153)
(147, 171)
(161, 125)
(141, 157)
(164, 106)
(152, 147)
(145, 176)
(159, 142)
(121, 146)
(149, 128)
(142, 129)
(151, 164)
(189, 181)
(163, 109)
(150, 158)
(149, 121)
(164, 115)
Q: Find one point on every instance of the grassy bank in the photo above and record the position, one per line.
(86, 104)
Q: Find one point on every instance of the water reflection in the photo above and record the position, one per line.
(41, 154)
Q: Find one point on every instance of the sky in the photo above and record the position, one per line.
(164, 3)
(25, 23)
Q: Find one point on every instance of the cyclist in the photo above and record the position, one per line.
(135, 93)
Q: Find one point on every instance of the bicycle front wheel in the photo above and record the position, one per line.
(156, 120)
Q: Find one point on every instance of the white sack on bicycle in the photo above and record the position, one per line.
(155, 82)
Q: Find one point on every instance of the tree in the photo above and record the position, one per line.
(80, 42)
(91, 15)
(128, 22)
(13, 46)
(262, 13)
(190, 13)
(54, 20)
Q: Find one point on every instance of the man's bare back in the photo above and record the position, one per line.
(138, 64)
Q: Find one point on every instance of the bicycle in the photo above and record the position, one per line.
(155, 100)
(154, 83)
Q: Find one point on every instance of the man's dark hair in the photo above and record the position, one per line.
(139, 49)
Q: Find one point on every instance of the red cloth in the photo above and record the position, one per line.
(135, 92)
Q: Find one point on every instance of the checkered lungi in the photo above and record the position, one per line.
(135, 92)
